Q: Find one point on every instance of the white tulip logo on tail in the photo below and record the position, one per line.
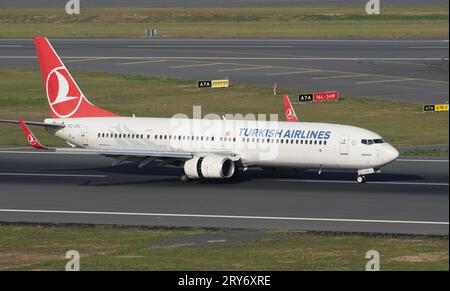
(290, 114)
(64, 97)
(31, 139)
(63, 90)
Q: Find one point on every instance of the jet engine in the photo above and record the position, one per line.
(211, 166)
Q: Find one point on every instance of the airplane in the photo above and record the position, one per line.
(204, 148)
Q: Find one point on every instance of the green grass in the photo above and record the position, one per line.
(325, 22)
(34, 247)
(403, 124)
(424, 152)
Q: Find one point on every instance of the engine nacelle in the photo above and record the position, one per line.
(212, 166)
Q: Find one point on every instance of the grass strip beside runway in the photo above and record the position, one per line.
(395, 21)
(403, 124)
(37, 247)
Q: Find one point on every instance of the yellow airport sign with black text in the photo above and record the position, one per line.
(220, 83)
(435, 107)
(214, 84)
(441, 107)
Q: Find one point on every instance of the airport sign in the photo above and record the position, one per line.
(204, 84)
(326, 96)
(435, 107)
(213, 83)
(317, 97)
(305, 98)
(220, 83)
(440, 107)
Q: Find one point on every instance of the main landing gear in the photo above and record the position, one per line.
(185, 178)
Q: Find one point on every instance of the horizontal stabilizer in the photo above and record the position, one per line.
(37, 123)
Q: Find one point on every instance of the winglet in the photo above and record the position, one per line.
(289, 110)
(32, 140)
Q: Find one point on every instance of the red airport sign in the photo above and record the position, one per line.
(326, 96)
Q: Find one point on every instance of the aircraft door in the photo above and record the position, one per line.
(84, 136)
(343, 145)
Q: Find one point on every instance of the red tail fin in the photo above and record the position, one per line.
(64, 96)
(289, 110)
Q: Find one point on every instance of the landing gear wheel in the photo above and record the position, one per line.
(236, 173)
(361, 179)
(184, 178)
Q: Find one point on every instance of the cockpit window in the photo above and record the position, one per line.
(372, 141)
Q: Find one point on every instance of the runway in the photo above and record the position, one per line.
(409, 196)
(401, 70)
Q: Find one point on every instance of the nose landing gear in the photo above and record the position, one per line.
(361, 179)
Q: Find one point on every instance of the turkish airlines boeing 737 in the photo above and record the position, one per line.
(204, 148)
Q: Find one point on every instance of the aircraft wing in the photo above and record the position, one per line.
(120, 154)
(115, 153)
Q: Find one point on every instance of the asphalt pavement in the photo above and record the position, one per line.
(409, 196)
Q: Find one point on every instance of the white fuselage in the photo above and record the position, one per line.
(265, 144)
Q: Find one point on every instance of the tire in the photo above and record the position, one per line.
(184, 178)
(361, 179)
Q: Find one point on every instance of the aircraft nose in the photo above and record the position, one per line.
(390, 154)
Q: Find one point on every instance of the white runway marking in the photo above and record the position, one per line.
(239, 58)
(224, 216)
(387, 81)
(354, 182)
(142, 62)
(340, 76)
(10, 45)
(246, 68)
(418, 160)
(14, 148)
(429, 47)
(241, 40)
(293, 72)
(52, 175)
(210, 46)
(195, 65)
